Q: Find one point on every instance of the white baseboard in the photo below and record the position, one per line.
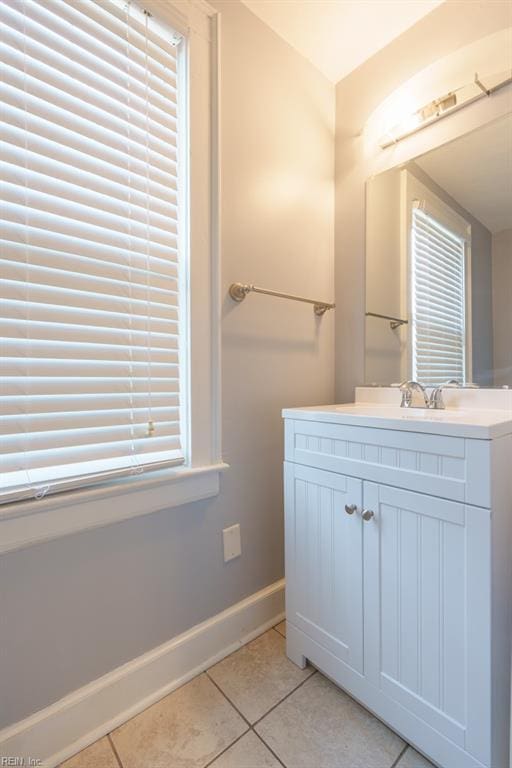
(62, 729)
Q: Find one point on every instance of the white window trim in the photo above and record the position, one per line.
(411, 189)
(25, 523)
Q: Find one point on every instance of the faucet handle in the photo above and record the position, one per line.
(406, 398)
(405, 389)
(436, 399)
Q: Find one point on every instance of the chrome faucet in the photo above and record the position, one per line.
(436, 396)
(407, 388)
(435, 401)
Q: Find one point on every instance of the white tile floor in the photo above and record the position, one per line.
(255, 709)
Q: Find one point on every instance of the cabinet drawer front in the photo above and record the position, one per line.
(324, 567)
(451, 467)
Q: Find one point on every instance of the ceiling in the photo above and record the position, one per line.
(476, 170)
(338, 35)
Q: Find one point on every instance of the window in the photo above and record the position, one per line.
(438, 302)
(102, 239)
(435, 286)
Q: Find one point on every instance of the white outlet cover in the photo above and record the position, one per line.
(232, 542)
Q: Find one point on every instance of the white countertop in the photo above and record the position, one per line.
(478, 423)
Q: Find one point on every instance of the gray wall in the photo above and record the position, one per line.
(75, 608)
(384, 346)
(450, 26)
(502, 306)
(481, 307)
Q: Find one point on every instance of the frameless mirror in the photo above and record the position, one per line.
(439, 264)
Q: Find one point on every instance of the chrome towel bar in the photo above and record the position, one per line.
(238, 292)
(396, 322)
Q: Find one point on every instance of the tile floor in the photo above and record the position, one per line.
(254, 709)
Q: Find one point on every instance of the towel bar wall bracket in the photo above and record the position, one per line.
(238, 292)
(395, 322)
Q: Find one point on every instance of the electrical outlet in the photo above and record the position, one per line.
(232, 542)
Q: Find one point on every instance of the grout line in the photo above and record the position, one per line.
(251, 726)
(114, 750)
(257, 722)
(228, 747)
(268, 747)
(228, 699)
(402, 753)
(240, 647)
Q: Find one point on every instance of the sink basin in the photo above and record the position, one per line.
(413, 414)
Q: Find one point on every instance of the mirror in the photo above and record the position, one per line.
(439, 265)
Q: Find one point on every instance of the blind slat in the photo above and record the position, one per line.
(54, 350)
(100, 333)
(60, 385)
(93, 403)
(44, 422)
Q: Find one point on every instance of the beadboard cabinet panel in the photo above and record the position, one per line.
(430, 632)
(324, 559)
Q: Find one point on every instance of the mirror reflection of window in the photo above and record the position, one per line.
(440, 346)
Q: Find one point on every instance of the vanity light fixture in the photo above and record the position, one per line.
(445, 105)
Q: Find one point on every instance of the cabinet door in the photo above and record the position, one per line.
(324, 559)
(427, 610)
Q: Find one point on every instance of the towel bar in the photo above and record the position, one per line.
(238, 292)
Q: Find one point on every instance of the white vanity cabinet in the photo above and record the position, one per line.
(401, 595)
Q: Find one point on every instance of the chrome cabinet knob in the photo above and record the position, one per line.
(367, 514)
(350, 508)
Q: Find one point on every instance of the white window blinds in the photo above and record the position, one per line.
(438, 301)
(91, 239)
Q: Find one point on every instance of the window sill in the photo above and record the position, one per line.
(25, 523)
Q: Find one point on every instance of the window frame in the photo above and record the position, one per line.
(412, 190)
(27, 522)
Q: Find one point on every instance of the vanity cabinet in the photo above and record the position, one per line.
(403, 597)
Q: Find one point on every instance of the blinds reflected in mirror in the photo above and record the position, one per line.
(90, 244)
(438, 301)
